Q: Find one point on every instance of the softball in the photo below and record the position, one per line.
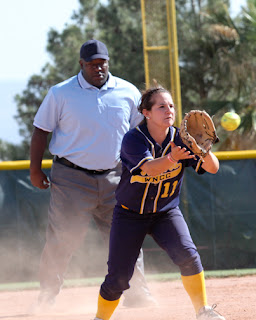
(230, 121)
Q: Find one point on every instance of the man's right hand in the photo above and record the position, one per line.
(38, 145)
(39, 179)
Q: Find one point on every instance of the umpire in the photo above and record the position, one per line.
(88, 116)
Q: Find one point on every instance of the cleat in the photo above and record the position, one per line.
(207, 313)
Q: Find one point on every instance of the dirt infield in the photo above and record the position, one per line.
(235, 299)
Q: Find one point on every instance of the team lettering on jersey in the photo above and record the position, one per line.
(144, 178)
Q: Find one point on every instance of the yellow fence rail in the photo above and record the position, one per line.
(22, 165)
(46, 164)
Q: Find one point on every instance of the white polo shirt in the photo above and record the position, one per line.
(87, 123)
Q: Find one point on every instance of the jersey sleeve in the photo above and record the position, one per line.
(196, 164)
(134, 151)
(46, 117)
(136, 116)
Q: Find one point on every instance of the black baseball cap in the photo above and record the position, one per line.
(94, 49)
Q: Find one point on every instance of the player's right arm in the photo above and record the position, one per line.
(37, 148)
(159, 165)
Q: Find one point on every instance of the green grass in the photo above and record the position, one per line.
(150, 277)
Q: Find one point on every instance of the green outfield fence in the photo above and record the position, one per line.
(220, 211)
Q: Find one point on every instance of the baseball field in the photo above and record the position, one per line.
(234, 293)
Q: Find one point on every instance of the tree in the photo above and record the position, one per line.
(120, 25)
(63, 48)
(10, 151)
(216, 55)
(111, 23)
(217, 66)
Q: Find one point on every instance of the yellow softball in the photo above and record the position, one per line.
(230, 121)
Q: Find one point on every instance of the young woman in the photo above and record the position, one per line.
(154, 158)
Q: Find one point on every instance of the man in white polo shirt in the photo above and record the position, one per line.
(88, 116)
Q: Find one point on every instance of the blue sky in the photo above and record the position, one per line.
(24, 25)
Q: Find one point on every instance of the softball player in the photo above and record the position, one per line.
(153, 159)
(82, 113)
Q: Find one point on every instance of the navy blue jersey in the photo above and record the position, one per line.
(149, 194)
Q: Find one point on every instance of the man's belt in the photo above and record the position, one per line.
(69, 164)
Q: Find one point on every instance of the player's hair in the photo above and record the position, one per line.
(147, 100)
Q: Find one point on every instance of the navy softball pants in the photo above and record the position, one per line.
(128, 232)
